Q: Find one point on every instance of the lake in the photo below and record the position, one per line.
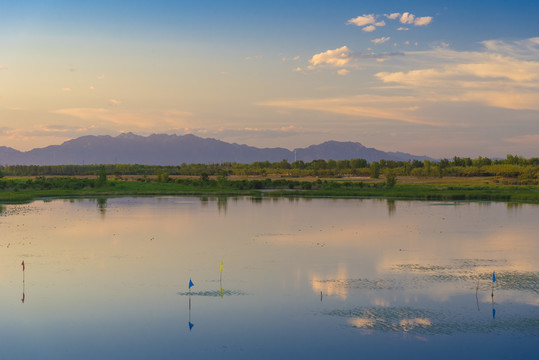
(301, 278)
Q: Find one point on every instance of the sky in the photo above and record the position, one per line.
(437, 78)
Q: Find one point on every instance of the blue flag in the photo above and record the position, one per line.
(191, 284)
(494, 314)
(493, 277)
(191, 326)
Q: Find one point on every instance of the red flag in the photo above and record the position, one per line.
(22, 265)
(22, 298)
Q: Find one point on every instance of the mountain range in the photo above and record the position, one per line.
(164, 149)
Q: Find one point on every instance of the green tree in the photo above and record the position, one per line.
(391, 178)
(204, 177)
(375, 170)
(162, 177)
(102, 176)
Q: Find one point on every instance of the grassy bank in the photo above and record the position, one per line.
(23, 190)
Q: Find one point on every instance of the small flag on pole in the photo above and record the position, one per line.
(493, 276)
(22, 265)
(221, 266)
(191, 284)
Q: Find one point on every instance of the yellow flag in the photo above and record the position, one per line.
(221, 266)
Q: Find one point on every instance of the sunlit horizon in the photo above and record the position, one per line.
(435, 79)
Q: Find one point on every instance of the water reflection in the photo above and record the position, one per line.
(222, 203)
(333, 266)
(23, 282)
(391, 207)
(190, 323)
(102, 205)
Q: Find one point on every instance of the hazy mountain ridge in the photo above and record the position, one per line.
(163, 149)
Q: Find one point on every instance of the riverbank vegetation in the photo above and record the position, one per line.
(389, 186)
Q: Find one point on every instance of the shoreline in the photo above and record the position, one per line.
(435, 190)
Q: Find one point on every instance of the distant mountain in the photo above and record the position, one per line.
(162, 149)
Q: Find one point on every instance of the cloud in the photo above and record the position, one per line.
(114, 102)
(344, 57)
(66, 89)
(485, 77)
(369, 28)
(296, 58)
(101, 77)
(407, 18)
(380, 40)
(369, 23)
(298, 69)
(524, 49)
(422, 21)
(256, 57)
(361, 107)
(343, 72)
(135, 121)
(362, 20)
(3, 67)
(529, 139)
(338, 58)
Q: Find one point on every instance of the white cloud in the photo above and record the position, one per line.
(369, 23)
(344, 57)
(101, 77)
(402, 29)
(114, 102)
(296, 58)
(369, 28)
(343, 72)
(338, 57)
(362, 20)
(526, 49)
(422, 21)
(407, 18)
(298, 69)
(486, 77)
(380, 40)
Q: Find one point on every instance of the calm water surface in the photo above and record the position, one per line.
(324, 278)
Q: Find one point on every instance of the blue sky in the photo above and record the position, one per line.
(440, 78)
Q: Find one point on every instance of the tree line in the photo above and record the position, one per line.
(511, 167)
